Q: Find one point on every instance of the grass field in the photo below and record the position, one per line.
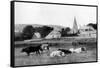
(22, 59)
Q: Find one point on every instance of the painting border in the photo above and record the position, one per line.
(12, 19)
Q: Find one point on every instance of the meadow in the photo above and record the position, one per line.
(21, 59)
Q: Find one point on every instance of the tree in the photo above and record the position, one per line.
(67, 29)
(64, 32)
(28, 32)
(93, 25)
(44, 31)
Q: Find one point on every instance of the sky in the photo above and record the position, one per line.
(50, 14)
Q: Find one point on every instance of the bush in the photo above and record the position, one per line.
(18, 37)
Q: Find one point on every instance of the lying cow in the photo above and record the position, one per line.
(77, 50)
(57, 54)
(31, 49)
(65, 51)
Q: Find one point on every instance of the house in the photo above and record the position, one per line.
(53, 34)
(87, 31)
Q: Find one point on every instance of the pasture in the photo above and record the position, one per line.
(22, 59)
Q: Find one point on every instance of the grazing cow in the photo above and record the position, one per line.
(57, 54)
(65, 51)
(78, 50)
(31, 49)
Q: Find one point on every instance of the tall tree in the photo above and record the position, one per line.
(28, 32)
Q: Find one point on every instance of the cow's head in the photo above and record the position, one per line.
(62, 54)
(83, 49)
(60, 49)
(23, 50)
(45, 46)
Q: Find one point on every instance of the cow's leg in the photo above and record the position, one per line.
(38, 52)
(48, 48)
(28, 54)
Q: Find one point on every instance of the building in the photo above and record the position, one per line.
(74, 29)
(36, 35)
(87, 31)
(53, 34)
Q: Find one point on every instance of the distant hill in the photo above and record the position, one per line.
(19, 27)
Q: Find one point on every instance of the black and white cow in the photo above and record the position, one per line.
(31, 49)
(57, 53)
(77, 50)
(37, 48)
(65, 51)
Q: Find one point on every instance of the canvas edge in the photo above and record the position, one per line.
(12, 61)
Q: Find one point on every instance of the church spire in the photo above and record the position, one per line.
(75, 27)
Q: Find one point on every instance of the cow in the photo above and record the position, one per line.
(31, 49)
(72, 50)
(65, 51)
(57, 54)
(45, 46)
(77, 50)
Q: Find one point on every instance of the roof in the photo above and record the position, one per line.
(86, 27)
(52, 33)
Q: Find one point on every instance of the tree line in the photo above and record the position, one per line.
(29, 30)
